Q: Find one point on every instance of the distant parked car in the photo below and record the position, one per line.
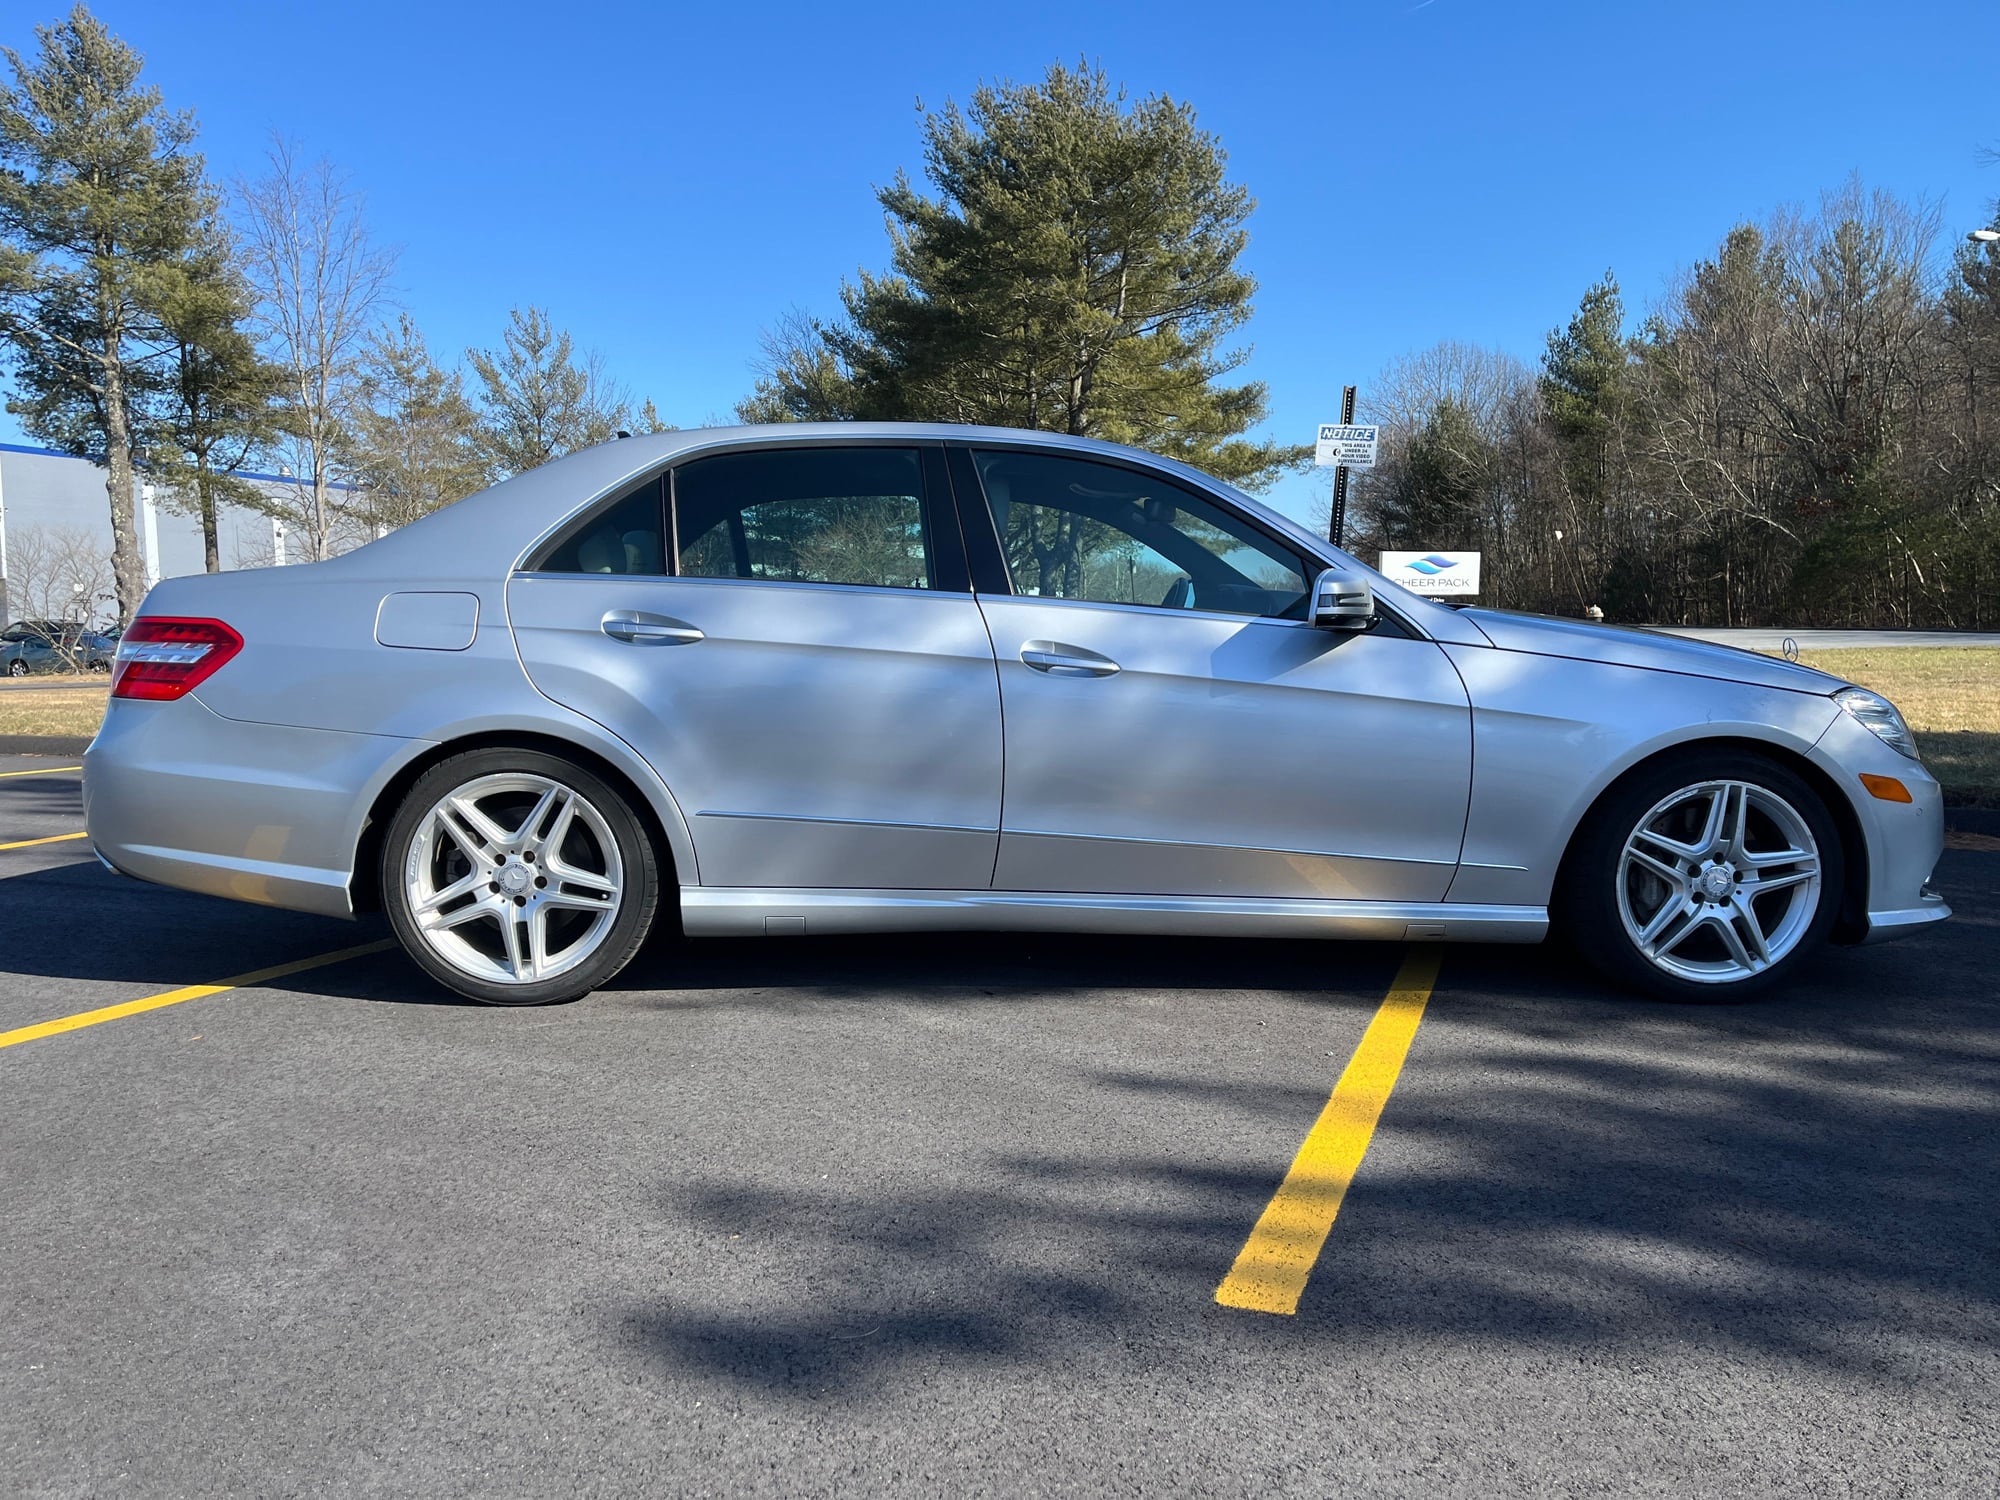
(876, 678)
(55, 646)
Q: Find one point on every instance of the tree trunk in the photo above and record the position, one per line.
(321, 552)
(128, 570)
(211, 554)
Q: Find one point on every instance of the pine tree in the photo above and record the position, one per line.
(541, 401)
(415, 441)
(1584, 386)
(100, 195)
(218, 401)
(1077, 272)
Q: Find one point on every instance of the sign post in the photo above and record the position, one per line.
(1344, 446)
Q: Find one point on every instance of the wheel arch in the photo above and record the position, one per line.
(1851, 924)
(364, 884)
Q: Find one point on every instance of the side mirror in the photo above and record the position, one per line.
(1341, 601)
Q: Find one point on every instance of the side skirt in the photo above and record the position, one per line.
(754, 911)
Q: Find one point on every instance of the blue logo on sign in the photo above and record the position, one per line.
(1433, 565)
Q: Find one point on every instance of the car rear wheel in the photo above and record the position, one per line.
(518, 878)
(1706, 879)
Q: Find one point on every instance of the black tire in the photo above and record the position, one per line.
(1589, 910)
(17, 668)
(637, 900)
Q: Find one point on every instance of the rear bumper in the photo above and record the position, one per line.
(177, 794)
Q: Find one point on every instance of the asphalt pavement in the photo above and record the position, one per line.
(948, 1215)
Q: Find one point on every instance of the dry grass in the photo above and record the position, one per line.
(40, 706)
(1951, 698)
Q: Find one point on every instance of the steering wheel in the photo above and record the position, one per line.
(1180, 594)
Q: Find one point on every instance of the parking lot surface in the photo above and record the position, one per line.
(949, 1215)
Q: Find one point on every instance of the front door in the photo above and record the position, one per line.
(810, 677)
(1172, 725)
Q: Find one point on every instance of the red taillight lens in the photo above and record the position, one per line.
(165, 658)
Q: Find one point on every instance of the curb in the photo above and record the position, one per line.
(44, 744)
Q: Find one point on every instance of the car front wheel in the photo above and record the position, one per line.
(1710, 878)
(518, 878)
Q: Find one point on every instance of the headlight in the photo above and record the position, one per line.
(1878, 715)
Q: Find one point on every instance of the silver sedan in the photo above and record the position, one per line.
(859, 678)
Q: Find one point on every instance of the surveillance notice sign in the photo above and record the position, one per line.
(1351, 446)
(1433, 572)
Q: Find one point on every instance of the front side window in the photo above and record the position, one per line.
(806, 515)
(1073, 528)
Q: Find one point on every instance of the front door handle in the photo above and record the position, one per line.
(1061, 660)
(637, 628)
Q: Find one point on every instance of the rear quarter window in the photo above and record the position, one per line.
(625, 538)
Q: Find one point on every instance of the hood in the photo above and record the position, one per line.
(1629, 646)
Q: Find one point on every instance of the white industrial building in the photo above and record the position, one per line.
(55, 534)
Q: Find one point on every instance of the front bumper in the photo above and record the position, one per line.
(177, 794)
(1904, 839)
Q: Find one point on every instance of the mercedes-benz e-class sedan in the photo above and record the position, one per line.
(876, 678)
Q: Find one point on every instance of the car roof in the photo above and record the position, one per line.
(484, 535)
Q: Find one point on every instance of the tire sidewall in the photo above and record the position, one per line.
(1587, 897)
(635, 850)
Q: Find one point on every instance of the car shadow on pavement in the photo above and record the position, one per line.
(1802, 1182)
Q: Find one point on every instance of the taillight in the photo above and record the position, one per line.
(161, 657)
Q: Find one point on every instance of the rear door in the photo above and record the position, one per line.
(788, 635)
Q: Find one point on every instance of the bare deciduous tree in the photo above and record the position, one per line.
(322, 285)
(61, 574)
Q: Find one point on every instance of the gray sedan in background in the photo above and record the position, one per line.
(878, 678)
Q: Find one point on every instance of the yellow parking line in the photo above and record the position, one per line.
(192, 992)
(1271, 1270)
(40, 771)
(54, 838)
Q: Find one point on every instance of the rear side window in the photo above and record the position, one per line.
(626, 538)
(806, 515)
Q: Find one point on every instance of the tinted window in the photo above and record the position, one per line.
(806, 515)
(628, 537)
(1076, 529)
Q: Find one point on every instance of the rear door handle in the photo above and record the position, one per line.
(1061, 660)
(637, 628)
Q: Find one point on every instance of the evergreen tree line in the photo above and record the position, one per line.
(180, 330)
(1806, 431)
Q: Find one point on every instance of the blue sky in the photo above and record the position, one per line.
(667, 180)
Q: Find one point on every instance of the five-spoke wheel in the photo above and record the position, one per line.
(1703, 878)
(518, 878)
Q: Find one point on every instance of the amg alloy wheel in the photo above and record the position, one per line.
(1719, 881)
(517, 878)
(1703, 880)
